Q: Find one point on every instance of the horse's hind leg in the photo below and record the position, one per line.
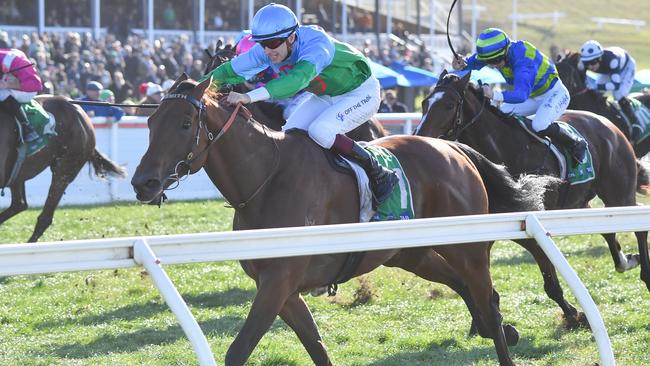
(18, 202)
(642, 240)
(552, 286)
(62, 176)
(622, 262)
(472, 262)
(428, 264)
(297, 315)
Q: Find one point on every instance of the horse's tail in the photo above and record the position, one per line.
(105, 167)
(505, 194)
(642, 177)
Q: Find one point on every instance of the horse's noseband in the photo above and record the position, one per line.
(200, 106)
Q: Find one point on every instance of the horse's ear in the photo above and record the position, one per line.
(219, 44)
(443, 73)
(204, 84)
(179, 80)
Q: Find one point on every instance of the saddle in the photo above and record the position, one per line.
(574, 174)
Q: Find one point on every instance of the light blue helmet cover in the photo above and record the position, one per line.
(273, 21)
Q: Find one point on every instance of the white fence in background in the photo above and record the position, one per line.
(555, 15)
(150, 252)
(636, 23)
(125, 142)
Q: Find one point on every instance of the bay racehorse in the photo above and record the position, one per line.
(276, 179)
(586, 99)
(65, 154)
(457, 110)
(272, 114)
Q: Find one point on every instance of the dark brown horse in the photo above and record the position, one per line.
(65, 154)
(258, 172)
(457, 110)
(271, 114)
(594, 101)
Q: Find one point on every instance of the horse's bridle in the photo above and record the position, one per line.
(457, 127)
(200, 106)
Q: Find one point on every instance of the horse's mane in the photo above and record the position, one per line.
(476, 90)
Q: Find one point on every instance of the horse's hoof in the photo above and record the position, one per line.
(578, 321)
(512, 335)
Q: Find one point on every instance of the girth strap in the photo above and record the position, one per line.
(352, 261)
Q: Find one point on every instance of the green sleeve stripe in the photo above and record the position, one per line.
(224, 74)
(295, 80)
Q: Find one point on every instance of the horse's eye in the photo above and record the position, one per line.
(187, 124)
(450, 106)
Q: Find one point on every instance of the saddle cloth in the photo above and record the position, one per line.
(574, 174)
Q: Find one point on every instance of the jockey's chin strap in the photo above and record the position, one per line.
(457, 128)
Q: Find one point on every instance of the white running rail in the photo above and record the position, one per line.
(17, 259)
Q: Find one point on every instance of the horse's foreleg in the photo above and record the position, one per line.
(297, 315)
(642, 240)
(552, 286)
(18, 202)
(472, 262)
(274, 287)
(622, 262)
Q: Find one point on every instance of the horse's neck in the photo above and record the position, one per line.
(243, 158)
(503, 142)
(590, 101)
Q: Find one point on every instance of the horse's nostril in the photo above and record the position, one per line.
(152, 183)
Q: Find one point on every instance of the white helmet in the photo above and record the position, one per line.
(273, 21)
(591, 50)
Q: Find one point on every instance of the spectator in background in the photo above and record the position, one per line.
(166, 85)
(123, 89)
(4, 40)
(92, 95)
(390, 104)
(116, 113)
(154, 96)
(142, 90)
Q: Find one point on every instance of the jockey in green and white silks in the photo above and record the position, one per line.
(536, 86)
(345, 94)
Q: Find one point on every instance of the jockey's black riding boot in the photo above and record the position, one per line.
(12, 106)
(626, 107)
(576, 146)
(382, 180)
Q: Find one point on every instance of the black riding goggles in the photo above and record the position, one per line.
(495, 60)
(272, 43)
(592, 62)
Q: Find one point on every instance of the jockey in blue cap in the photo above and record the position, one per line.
(344, 93)
(536, 86)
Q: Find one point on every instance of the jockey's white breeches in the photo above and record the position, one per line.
(547, 107)
(323, 117)
(20, 96)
